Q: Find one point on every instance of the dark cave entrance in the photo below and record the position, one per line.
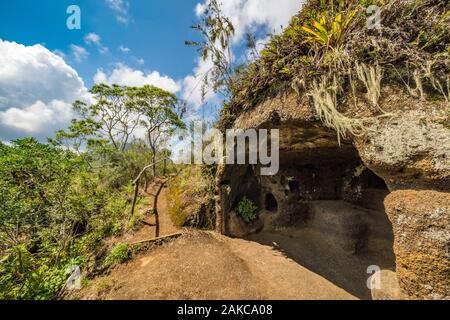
(271, 203)
(324, 209)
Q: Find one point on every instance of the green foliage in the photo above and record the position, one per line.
(329, 31)
(19, 280)
(119, 254)
(329, 38)
(59, 201)
(53, 209)
(191, 195)
(217, 32)
(247, 209)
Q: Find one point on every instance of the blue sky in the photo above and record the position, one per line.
(44, 66)
(156, 32)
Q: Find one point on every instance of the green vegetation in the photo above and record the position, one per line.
(328, 54)
(329, 30)
(119, 254)
(247, 209)
(191, 195)
(53, 212)
(60, 201)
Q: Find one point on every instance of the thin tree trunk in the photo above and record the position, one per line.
(154, 162)
(145, 182)
(133, 206)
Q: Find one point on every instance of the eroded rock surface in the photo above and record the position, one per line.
(421, 222)
(410, 150)
(407, 149)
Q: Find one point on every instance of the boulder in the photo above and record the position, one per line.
(421, 225)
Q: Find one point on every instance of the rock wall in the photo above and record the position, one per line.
(409, 150)
(421, 222)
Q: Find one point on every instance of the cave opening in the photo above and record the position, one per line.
(325, 210)
(271, 203)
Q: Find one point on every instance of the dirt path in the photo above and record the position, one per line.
(158, 223)
(207, 265)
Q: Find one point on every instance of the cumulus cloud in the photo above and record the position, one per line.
(37, 117)
(192, 84)
(37, 88)
(60, 53)
(95, 39)
(246, 16)
(79, 53)
(126, 76)
(121, 9)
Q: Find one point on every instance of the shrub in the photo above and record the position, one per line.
(54, 208)
(247, 209)
(119, 254)
(191, 196)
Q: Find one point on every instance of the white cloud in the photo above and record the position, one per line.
(140, 61)
(124, 49)
(37, 88)
(95, 39)
(249, 14)
(38, 116)
(192, 84)
(79, 53)
(200, 8)
(92, 38)
(121, 9)
(60, 53)
(246, 16)
(126, 76)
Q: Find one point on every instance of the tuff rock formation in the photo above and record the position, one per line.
(364, 122)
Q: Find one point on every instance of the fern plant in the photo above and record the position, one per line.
(247, 209)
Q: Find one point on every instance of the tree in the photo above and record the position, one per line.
(217, 32)
(159, 115)
(38, 214)
(111, 118)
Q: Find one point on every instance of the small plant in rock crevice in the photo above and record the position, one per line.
(247, 210)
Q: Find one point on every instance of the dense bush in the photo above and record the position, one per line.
(119, 254)
(59, 201)
(331, 38)
(54, 210)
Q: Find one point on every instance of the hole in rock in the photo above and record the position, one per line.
(271, 203)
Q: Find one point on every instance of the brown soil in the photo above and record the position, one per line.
(207, 265)
(323, 257)
(159, 222)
